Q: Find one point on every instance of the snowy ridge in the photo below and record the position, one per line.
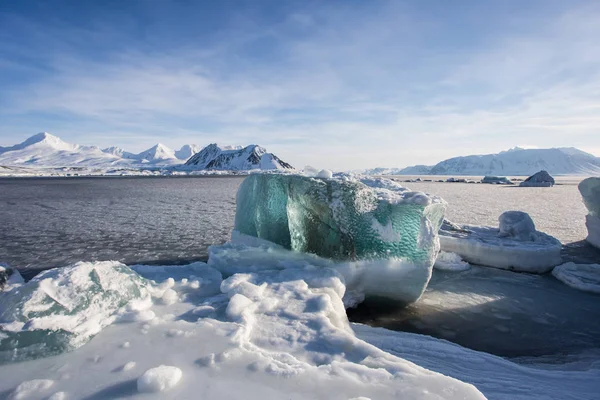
(516, 161)
(214, 157)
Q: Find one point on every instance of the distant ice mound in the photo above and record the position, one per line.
(63, 308)
(496, 180)
(515, 245)
(390, 232)
(584, 277)
(539, 179)
(590, 191)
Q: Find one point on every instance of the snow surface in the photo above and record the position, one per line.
(516, 245)
(584, 277)
(275, 333)
(450, 262)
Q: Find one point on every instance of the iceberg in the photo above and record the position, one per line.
(63, 308)
(516, 245)
(539, 179)
(382, 227)
(590, 191)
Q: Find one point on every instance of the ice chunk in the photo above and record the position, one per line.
(61, 309)
(590, 191)
(496, 180)
(374, 221)
(516, 245)
(539, 179)
(517, 225)
(450, 262)
(584, 277)
(159, 379)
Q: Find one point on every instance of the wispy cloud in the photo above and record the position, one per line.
(344, 87)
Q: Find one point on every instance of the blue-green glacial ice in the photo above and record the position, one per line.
(381, 236)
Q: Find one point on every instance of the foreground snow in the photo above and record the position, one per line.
(266, 334)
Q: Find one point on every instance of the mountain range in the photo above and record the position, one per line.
(46, 150)
(516, 161)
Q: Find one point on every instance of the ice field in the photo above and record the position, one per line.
(265, 322)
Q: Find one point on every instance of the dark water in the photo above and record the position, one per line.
(55, 222)
(58, 221)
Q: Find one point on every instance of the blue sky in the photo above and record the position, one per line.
(335, 84)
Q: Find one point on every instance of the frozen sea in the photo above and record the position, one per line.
(53, 222)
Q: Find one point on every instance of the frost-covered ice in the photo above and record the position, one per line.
(539, 179)
(450, 262)
(496, 180)
(61, 309)
(515, 245)
(584, 277)
(390, 230)
(9, 278)
(590, 191)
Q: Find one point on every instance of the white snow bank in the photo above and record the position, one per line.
(283, 320)
(450, 262)
(584, 277)
(516, 245)
(159, 379)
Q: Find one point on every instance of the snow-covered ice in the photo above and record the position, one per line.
(590, 191)
(61, 309)
(390, 230)
(515, 245)
(266, 325)
(496, 180)
(450, 262)
(159, 379)
(579, 276)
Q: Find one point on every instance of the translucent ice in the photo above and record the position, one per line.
(61, 309)
(347, 219)
(590, 191)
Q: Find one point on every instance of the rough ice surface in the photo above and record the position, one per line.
(590, 191)
(61, 309)
(516, 245)
(369, 220)
(496, 180)
(450, 262)
(159, 379)
(584, 277)
(32, 388)
(539, 179)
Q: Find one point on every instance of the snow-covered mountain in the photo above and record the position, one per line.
(516, 161)
(46, 150)
(214, 157)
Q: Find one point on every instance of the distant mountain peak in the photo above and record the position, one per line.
(250, 157)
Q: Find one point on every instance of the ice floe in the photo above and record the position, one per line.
(584, 277)
(515, 245)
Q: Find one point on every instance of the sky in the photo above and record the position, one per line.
(345, 84)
